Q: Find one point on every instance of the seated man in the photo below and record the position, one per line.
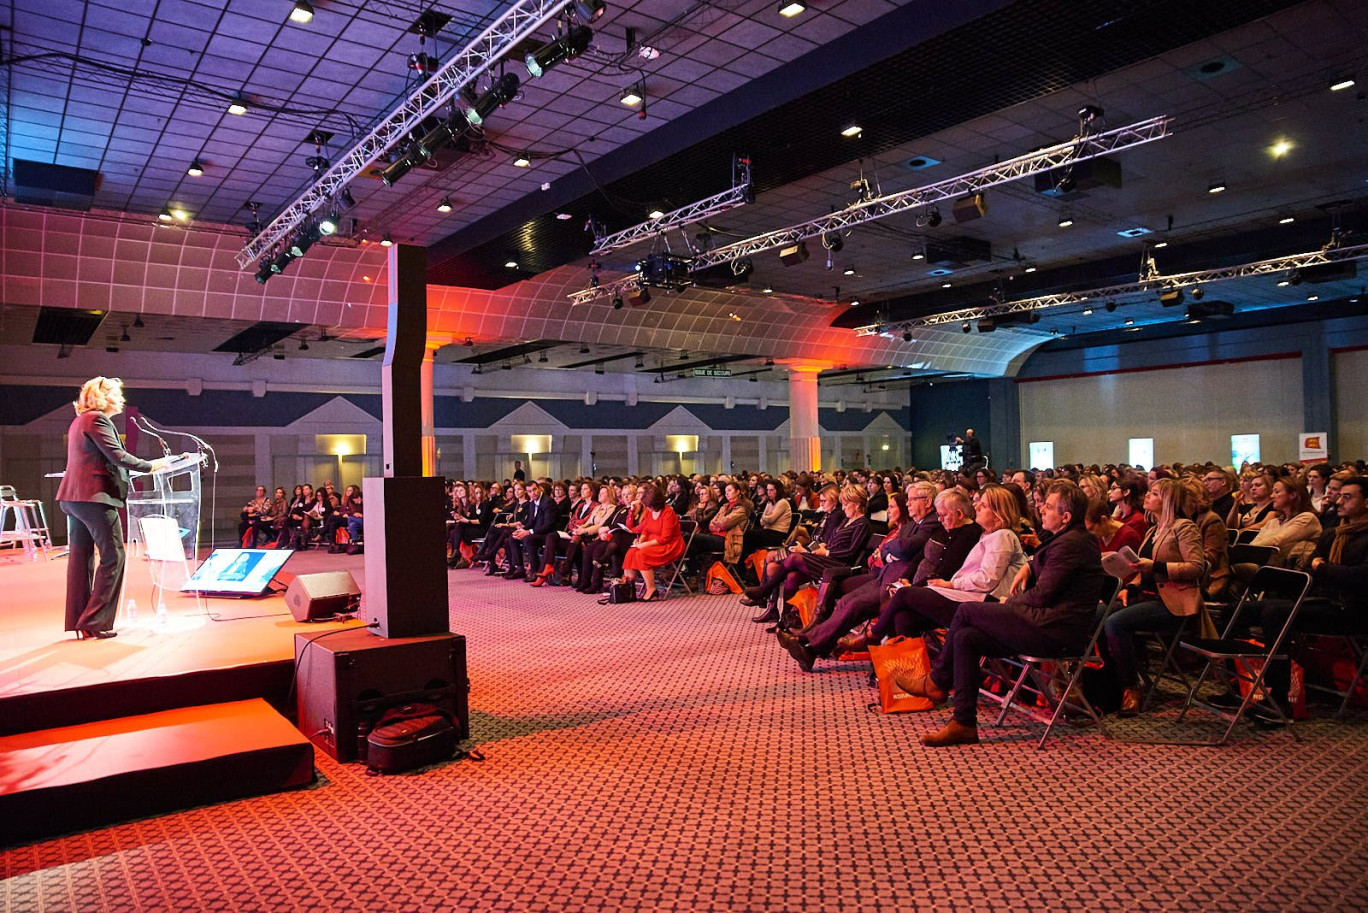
(1338, 601)
(255, 516)
(1051, 611)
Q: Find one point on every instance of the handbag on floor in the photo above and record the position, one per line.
(619, 593)
(905, 656)
(721, 581)
(408, 737)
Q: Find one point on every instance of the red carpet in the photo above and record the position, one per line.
(671, 757)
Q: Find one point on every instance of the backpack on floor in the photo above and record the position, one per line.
(408, 737)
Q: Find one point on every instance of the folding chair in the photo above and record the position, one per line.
(675, 569)
(1057, 678)
(1357, 642)
(1234, 659)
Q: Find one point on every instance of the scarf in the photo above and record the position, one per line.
(1342, 534)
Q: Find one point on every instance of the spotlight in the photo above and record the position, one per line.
(385, 241)
(422, 63)
(445, 205)
(833, 241)
(1294, 277)
(1130, 322)
(849, 271)
(304, 239)
(617, 302)
(792, 256)
(303, 345)
(852, 131)
(397, 169)
(933, 218)
(919, 255)
(238, 106)
(302, 12)
(196, 169)
(655, 214)
(589, 10)
(328, 224)
(1171, 298)
(570, 45)
(499, 94)
(1280, 148)
(790, 8)
(264, 272)
(444, 134)
(511, 264)
(631, 96)
(280, 261)
(907, 335)
(1087, 312)
(1111, 307)
(640, 297)
(964, 327)
(344, 196)
(1089, 113)
(522, 161)
(1197, 293)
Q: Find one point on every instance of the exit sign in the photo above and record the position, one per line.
(712, 372)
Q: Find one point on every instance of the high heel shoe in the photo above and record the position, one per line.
(98, 635)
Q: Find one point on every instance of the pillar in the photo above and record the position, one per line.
(1318, 388)
(805, 442)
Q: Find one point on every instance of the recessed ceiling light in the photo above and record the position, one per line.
(1160, 245)
(522, 161)
(1313, 297)
(855, 302)
(655, 214)
(1280, 148)
(1287, 220)
(445, 205)
(196, 168)
(1283, 283)
(302, 12)
(511, 264)
(1065, 222)
(790, 8)
(1130, 322)
(946, 284)
(1087, 312)
(1216, 187)
(919, 255)
(849, 271)
(1341, 85)
(852, 131)
(1030, 269)
(564, 216)
(237, 107)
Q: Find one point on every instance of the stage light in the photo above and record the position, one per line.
(565, 47)
(522, 161)
(385, 241)
(589, 10)
(655, 214)
(617, 302)
(397, 169)
(444, 134)
(1341, 85)
(919, 255)
(125, 337)
(1111, 307)
(964, 327)
(1287, 220)
(302, 12)
(264, 272)
(1029, 269)
(328, 224)
(631, 96)
(303, 345)
(849, 271)
(196, 168)
(833, 242)
(790, 8)
(946, 284)
(499, 94)
(1087, 312)
(792, 256)
(907, 335)
(445, 205)
(1130, 322)
(1161, 245)
(933, 218)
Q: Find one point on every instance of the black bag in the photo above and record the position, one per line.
(619, 593)
(410, 736)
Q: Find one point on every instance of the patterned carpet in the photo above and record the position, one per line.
(670, 757)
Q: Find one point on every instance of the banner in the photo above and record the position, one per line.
(1313, 446)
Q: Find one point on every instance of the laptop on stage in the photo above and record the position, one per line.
(237, 572)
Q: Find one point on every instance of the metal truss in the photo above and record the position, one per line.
(514, 26)
(624, 286)
(1062, 154)
(694, 212)
(1158, 283)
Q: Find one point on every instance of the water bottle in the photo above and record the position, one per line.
(161, 613)
(132, 611)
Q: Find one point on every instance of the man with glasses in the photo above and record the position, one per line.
(1218, 487)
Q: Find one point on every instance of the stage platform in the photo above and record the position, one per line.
(214, 650)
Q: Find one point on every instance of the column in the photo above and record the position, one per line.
(726, 454)
(586, 454)
(805, 443)
(434, 342)
(1318, 388)
(632, 459)
(762, 448)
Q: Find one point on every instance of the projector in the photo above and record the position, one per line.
(665, 271)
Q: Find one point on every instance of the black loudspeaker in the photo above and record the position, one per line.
(406, 573)
(973, 206)
(348, 678)
(314, 596)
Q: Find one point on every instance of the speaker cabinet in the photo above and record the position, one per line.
(312, 597)
(347, 678)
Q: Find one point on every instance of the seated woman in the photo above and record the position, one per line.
(678, 495)
(776, 518)
(1317, 483)
(605, 552)
(561, 553)
(877, 498)
(726, 529)
(1127, 497)
(338, 518)
(839, 544)
(1215, 541)
(1111, 533)
(1256, 505)
(658, 541)
(471, 523)
(986, 574)
(1290, 523)
(1166, 589)
(594, 536)
(356, 521)
(510, 517)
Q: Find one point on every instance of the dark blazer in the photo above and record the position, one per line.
(544, 517)
(905, 551)
(97, 466)
(1065, 586)
(952, 547)
(845, 540)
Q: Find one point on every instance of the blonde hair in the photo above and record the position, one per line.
(854, 494)
(95, 394)
(1002, 504)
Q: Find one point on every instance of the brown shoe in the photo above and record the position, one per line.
(851, 643)
(1130, 702)
(952, 734)
(920, 686)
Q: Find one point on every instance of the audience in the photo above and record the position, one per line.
(658, 541)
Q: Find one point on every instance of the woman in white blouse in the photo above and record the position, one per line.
(1291, 523)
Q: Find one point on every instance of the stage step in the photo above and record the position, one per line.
(53, 781)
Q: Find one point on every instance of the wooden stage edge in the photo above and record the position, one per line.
(216, 651)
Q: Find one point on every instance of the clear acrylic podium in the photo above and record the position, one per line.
(173, 493)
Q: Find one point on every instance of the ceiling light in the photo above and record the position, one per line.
(237, 107)
(196, 168)
(1065, 222)
(571, 44)
(946, 284)
(1284, 283)
(1313, 297)
(1130, 322)
(919, 255)
(767, 290)
(854, 302)
(1216, 187)
(385, 241)
(640, 362)
(522, 161)
(655, 214)
(790, 8)
(1280, 148)
(1161, 245)
(1287, 220)
(584, 350)
(138, 322)
(165, 214)
(303, 345)
(1341, 85)
(125, 337)
(564, 216)
(631, 96)
(852, 131)
(511, 264)
(445, 205)
(328, 224)
(1087, 312)
(598, 368)
(1029, 269)
(302, 12)
(542, 358)
(964, 327)
(849, 271)
(1111, 306)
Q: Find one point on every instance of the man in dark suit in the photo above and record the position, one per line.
(1051, 612)
(541, 520)
(93, 490)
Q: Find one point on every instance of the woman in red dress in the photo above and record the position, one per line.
(658, 541)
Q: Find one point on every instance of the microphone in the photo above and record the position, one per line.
(201, 444)
(145, 425)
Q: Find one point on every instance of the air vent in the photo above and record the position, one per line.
(60, 186)
(66, 326)
(259, 336)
